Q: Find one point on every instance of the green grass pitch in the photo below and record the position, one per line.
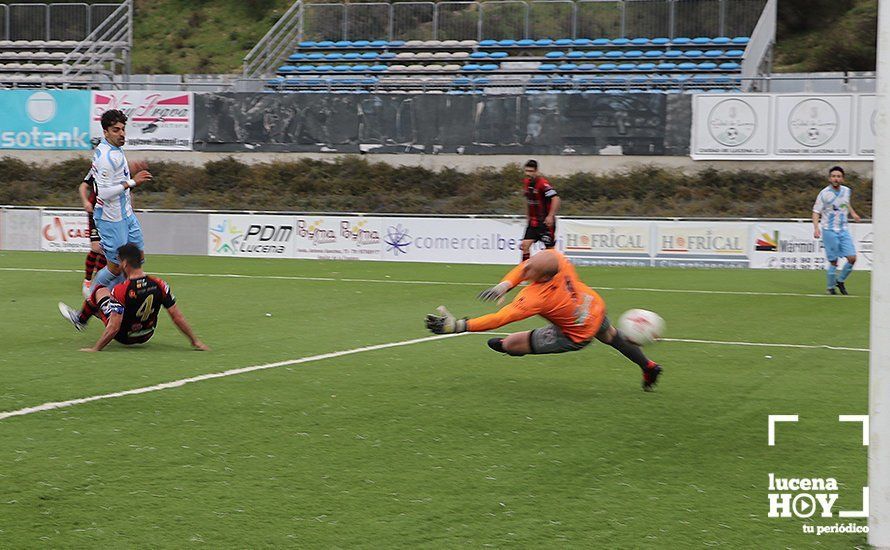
(437, 444)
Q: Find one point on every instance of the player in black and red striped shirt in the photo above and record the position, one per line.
(130, 310)
(95, 259)
(543, 204)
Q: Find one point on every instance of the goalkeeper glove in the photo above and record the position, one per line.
(445, 323)
(495, 293)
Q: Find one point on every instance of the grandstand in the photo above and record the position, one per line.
(64, 44)
(509, 46)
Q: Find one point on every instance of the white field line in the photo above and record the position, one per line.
(211, 376)
(450, 283)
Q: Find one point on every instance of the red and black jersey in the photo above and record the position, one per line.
(539, 195)
(90, 179)
(142, 299)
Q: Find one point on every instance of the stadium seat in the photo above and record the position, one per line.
(478, 55)
(543, 42)
(378, 68)
(498, 55)
(489, 67)
(315, 56)
(659, 79)
(324, 44)
(593, 54)
(297, 57)
(607, 67)
(720, 40)
(324, 68)
(734, 53)
(687, 66)
(377, 44)
(352, 56)
(361, 43)
(673, 54)
(620, 42)
(525, 43)
(599, 42)
(369, 55)
(507, 43)
(681, 41)
(487, 43)
(395, 43)
(714, 53)
(730, 66)
(468, 43)
(639, 41)
(707, 66)
(387, 56)
(626, 66)
(539, 80)
(333, 56)
(583, 42)
(282, 69)
(646, 66)
(614, 54)
(633, 54)
(563, 42)
(405, 55)
(653, 54)
(701, 40)
(660, 41)
(471, 67)
(568, 67)
(740, 40)
(359, 68)
(307, 44)
(692, 54)
(586, 67)
(575, 55)
(305, 68)
(413, 44)
(546, 67)
(555, 55)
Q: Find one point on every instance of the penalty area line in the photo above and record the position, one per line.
(211, 376)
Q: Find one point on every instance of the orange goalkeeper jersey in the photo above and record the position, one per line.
(564, 300)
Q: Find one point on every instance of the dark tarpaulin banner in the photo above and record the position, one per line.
(553, 124)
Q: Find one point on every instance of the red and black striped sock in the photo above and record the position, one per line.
(86, 311)
(101, 261)
(90, 265)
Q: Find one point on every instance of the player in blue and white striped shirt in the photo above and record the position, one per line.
(113, 214)
(830, 221)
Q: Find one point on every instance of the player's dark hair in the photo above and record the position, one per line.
(112, 117)
(532, 163)
(836, 169)
(131, 253)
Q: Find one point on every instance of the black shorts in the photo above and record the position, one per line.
(128, 340)
(547, 235)
(94, 233)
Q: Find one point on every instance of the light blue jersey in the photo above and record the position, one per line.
(833, 206)
(111, 171)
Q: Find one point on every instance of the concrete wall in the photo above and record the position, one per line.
(167, 233)
(20, 230)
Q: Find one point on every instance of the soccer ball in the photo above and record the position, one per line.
(641, 326)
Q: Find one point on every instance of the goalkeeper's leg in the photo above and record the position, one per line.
(516, 344)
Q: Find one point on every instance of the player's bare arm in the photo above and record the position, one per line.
(113, 325)
(817, 233)
(84, 192)
(856, 217)
(183, 326)
(554, 208)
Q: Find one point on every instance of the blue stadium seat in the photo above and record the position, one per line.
(498, 55)
(489, 67)
(568, 67)
(488, 43)
(720, 40)
(679, 78)
(666, 66)
(646, 66)
(599, 42)
(687, 66)
(620, 42)
(461, 81)
(352, 56)
(342, 68)
(575, 55)
(701, 40)
(361, 43)
(658, 79)
(359, 68)
(653, 54)
(607, 67)
(324, 44)
(333, 56)
(586, 67)
(627, 66)
(740, 40)
(287, 69)
(377, 44)
(581, 42)
(614, 54)
(395, 43)
(660, 41)
(547, 67)
(387, 55)
(275, 81)
(639, 41)
(563, 42)
(305, 68)
(307, 44)
(555, 54)
(560, 80)
(692, 54)
(315, 56)
(722, 80)
(707, 66)
(507, 43)
(714, 53)
(633, 54)
(470, 67)
(543, 42)
(618, 79)
(525, 43)
(540, 80)
(297, 57)
(681, 40)
(729, 66)
(370, 55)
(673, 54)
(593, 54)
(379, 68)
(734, 53)
(479, 55)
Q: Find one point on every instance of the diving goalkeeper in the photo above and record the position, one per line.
(576, 312)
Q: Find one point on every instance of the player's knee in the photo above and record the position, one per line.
(512, 346)
(851, 260)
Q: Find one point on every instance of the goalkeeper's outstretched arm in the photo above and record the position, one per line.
(446, 323)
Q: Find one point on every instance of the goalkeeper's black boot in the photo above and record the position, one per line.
(832, 291)
(651, 373)
(842, 287)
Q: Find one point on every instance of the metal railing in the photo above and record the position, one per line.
(517, 19)
(56, 21)
(106, 48)
(277, 43)
(758, 54)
